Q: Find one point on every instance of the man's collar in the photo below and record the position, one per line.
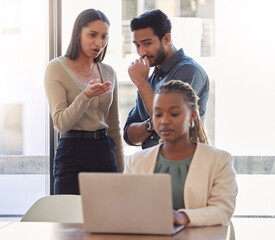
(172, 61)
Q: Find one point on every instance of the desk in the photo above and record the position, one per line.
(243, 228)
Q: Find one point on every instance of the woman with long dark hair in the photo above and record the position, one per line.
(83, 98)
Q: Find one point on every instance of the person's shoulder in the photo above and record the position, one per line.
(214, 159)
(56, 62)
(191, 65)
(188, 62)
(212, 150)
(56, 69)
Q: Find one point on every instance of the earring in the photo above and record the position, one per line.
(192, 124)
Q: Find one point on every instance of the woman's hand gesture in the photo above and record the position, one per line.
(95, 88)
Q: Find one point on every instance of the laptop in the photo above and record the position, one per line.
(127, 203)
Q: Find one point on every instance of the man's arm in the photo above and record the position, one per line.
(134, 129)
(138, 72)
(136, 133)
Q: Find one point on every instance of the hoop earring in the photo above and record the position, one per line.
(192, 124)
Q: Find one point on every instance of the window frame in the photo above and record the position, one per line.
(55, 50)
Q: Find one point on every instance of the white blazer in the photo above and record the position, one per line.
(210, 188)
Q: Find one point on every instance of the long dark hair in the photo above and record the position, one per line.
(82, 20)
(196, 131)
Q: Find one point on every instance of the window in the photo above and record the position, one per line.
(10, 17)
(205, 11)
(244, 95)
(11, 141)
(23, 108)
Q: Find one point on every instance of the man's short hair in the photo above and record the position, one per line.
(155, 19)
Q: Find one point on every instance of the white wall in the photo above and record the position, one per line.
(244, 76)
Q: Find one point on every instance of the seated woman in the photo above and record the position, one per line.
(203, 177)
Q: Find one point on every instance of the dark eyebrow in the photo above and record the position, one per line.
(97, 32)
(144, 40)
(174, 107)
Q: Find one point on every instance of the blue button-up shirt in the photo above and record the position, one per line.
(178, 67)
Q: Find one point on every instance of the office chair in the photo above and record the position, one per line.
(56, 208)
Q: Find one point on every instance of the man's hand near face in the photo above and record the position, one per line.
(139, 71)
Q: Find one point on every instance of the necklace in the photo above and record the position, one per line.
(84, 73)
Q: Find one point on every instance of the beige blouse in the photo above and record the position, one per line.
(71, 109)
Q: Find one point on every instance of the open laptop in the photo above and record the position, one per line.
(127, 203)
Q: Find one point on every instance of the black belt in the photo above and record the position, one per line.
(99, 134)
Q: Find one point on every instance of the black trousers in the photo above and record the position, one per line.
(75, 155)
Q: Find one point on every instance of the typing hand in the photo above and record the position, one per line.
(180, 218)
(95, 88)
(139, 71)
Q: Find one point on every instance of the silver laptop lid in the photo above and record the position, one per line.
(117, 203)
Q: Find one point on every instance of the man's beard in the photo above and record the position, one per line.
(160, 56)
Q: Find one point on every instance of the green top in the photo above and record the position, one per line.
(178, 171)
